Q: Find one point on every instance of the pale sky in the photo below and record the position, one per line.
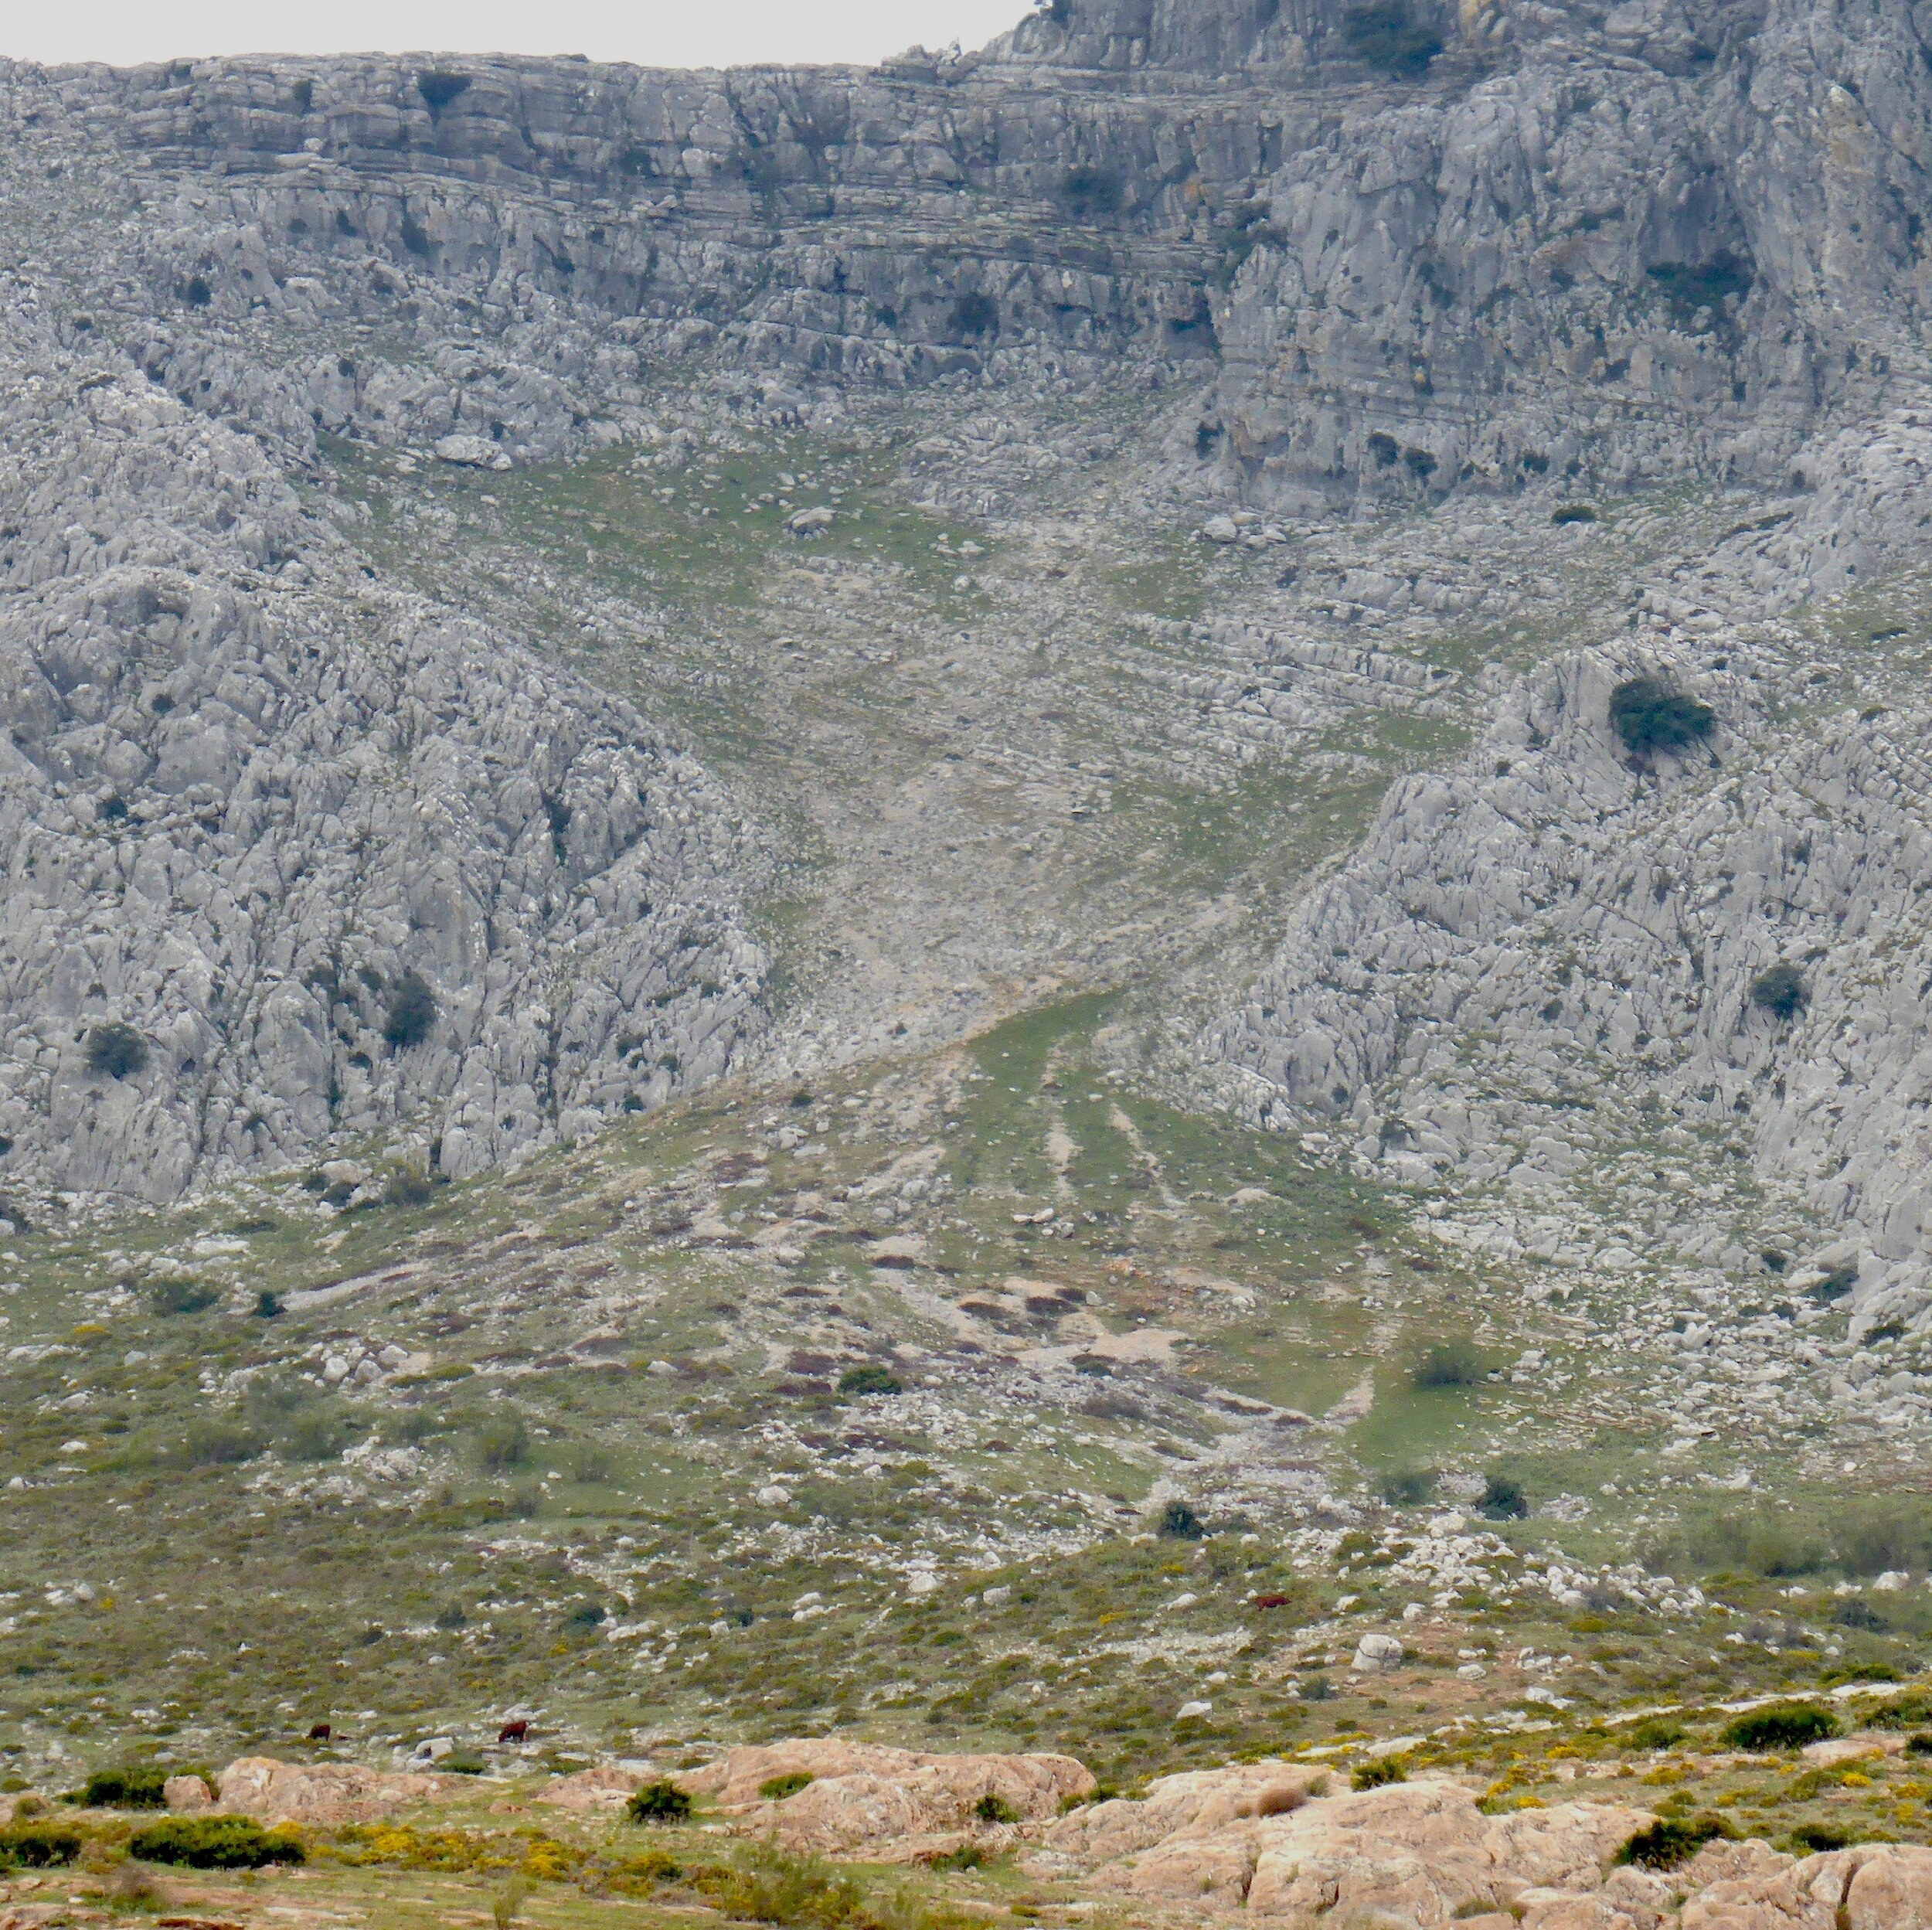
(654, 33)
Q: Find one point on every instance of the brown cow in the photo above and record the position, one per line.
(319, 1732)
(516, 1732)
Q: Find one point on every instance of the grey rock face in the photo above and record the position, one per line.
(1628, 243)
(1547, 975)
(291, 856)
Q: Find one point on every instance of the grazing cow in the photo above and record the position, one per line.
(319, 1732)
(516, 1732)
(1270, 1601)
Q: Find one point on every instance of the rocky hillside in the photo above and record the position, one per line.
(293, 857)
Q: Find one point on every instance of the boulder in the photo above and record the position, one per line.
(609, 1786)
(184, 1794)
(1375, 1651)
(324, 1792)
(473, 452)
(1194, 1802)
(867, 1795)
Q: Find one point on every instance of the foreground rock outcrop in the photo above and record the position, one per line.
(1261, 1838)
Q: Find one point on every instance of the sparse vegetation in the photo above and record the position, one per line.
(1179, 1523)
(776, 1788)
(1378, 1772)
(856, 1383)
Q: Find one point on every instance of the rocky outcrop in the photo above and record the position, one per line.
(1498, 246)
(867, 1797)
(323, 1793)
(293, 857)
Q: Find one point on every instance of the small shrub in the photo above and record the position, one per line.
(116, 1050)
(1384, 36)
(1789, 1726)
(214, 1444)
(1648, 715)
(967, 1856)
(1919, 1744)
(1819, 1837)
(975, 314)
(503, 1444)
(314, 1436)
(1088, 191)
(182, 1296)
(214, 1843)
(267, 1306)
(452, 1617)
(1502, 1500)
(994, 1808)
(777, 1788)
(1179, 1523)
(463, 1762)
(1670, 1840)
(508, 1903)
(1409, 1487)
(1659, 1733)
(412, 1013)
(1573, 512)
(1780, 991)
(1856, 1613)
(38, 1846)
(1377, 1771)
(1450, 1363)
(438, 90)
(868, 1378)
(1836, 1284)
(660, 1801)
(139, 1788)
(581, 1617)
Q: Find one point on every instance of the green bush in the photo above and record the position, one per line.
(116, 1050)
(1502, 1499)
(1670, 1840)
(464, 1762)
(1919, 1745)
(1573, 512)
(1650, 715)
(1789, 1726)
(504, 1444)
(1836, 1284)
(1659, 1733)
(412, 1013)
(1384, 36)
(182, 1296)
(214, 1843)
(868, 1378)
(139, 1788)
(1179, 1523)
(661, 1801)
(993, 1808)
(776, 1788)
(1815, 1838)
(1780, 991)
(38, 1846)
(1377, 1772)
(1450, 1363)
(1409, 1487)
